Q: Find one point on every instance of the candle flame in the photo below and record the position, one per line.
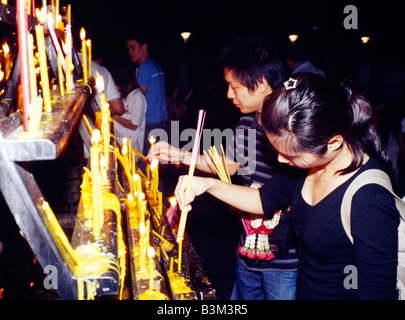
(293, 37)
(142, 229)
(88, 43)
(49, 18)
(96, 137)
(152, 140)
(99, 83)
(124, 149)
(40, 14)
(151, 253)
(173, 201)
(82, 34)
(130, 197)
(6, 49)
(103, 163)
(154, 164)
(141, 196)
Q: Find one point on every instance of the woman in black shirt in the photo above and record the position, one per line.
(323, 129)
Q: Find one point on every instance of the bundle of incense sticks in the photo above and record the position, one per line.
(218, 163)
(184, 212)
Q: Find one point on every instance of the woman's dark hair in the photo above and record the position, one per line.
(313, 110)
(126, 80)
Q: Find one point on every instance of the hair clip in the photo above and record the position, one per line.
(290, 84)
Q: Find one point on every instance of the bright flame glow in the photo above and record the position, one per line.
(82, 34)
(185, 36)
(152, 140)
(293, 37)
(96, 137)
(154, 164)
(173, 201)
(6, 49)
(365, 39)
(151, 253)
(142, 229)
(99, 83)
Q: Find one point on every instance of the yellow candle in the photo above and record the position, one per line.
(142, 232)
(88, 45)
(155, 177)
(96, 191)
(31, 63)
(68, 13)
(138, 183)
(133, 167)
(94, 151)
(151, 257)
(152, 141)
(180, 254)
(69, 69)
(60, 75)
(43, 67)
(171, 265)
(141, 197)
(105, 129)
(84, 54)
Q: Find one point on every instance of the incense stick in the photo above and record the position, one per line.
(184, 212)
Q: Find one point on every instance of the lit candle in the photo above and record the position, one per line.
(22, 31)
(88, 45)
(141, 198)
(152, 141)
(138, 183)
(151, 257)
(60, 75)
(7, 62)
(124, 150)
(43, 67)
(155, 177)
(84, 54)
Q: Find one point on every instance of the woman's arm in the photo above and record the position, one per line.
(125, 122)
(166, 153)
(241, 197)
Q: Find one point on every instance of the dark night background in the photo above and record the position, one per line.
(213, 24)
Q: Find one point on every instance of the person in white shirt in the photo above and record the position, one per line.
(131, 124)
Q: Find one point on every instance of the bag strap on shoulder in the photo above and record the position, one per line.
(372, 176)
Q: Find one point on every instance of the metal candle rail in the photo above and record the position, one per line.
(21, 191)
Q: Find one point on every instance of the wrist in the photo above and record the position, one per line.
(181, 156)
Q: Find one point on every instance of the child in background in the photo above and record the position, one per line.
(131, 124)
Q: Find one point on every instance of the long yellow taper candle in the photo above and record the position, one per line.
(84, 54)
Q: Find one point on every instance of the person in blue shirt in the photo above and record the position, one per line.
(151, 80)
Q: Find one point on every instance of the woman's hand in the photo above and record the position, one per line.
(198, 186)
(164, 152)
